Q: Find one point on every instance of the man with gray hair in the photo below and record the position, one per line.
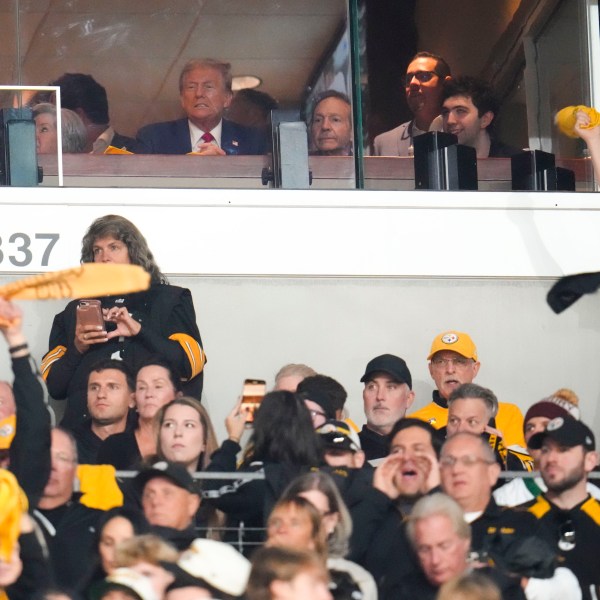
(205, 92)
(67, 524)
(472, 408)
(290, 375)
(440, 537)
(508, 537)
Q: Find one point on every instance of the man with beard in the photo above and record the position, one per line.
(452, 362)
(423, 84)
(387, 396)
(509, 537)
(110, 396)
(410, 471)
(568, 515)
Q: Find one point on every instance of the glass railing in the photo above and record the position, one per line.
(337, 66)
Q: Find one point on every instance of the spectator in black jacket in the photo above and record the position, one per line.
(469, 472)
(68, 526)
(387, 396)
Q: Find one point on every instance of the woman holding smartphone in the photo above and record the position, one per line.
(283, 444)
(159, 321)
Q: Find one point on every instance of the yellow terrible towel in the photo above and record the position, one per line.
(99, 486)
(566, 118)
(13, 503)
(86, 281)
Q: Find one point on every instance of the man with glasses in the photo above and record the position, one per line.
(324, 397)
(507, 537)
(387, 396)
(568, 515)
(423, 85)
(473, 409)
(453, 362)
(68, 526)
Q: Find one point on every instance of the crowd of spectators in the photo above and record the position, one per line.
(133, 496)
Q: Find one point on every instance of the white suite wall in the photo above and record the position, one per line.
(251, 326)
(335, 278)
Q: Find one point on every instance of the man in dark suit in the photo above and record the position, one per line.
(205, 92)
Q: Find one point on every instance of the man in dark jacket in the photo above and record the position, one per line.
(387, 395)
(469, 471)
(69, 527)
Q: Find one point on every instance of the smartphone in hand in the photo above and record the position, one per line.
(252, 395)
(89, 312)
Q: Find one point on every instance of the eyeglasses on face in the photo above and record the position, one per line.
(420, 76)
(460, 362)
(468, 460)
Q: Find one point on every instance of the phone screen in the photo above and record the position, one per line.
(252, 395)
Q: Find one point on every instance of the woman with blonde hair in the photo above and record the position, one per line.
(144, 554)
(287, 574)
(185, 434)
(472, 586)
(46, 136)
(320, 489)
(297, 522)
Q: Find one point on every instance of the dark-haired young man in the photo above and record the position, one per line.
(110, 395)
(82, 94)
(410, 471)
(469, 110)
(423, 82)
(569, 517)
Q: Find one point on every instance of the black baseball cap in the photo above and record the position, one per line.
(565, 431)
(175, 472)
(390, 364)
(339, 435)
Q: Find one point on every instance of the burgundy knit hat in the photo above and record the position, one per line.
(552, 407)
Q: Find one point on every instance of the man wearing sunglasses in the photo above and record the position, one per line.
(423, 85)
(568, 515)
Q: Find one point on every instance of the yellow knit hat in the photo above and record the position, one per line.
(565, 119)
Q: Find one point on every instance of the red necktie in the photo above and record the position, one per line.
(207, 137)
